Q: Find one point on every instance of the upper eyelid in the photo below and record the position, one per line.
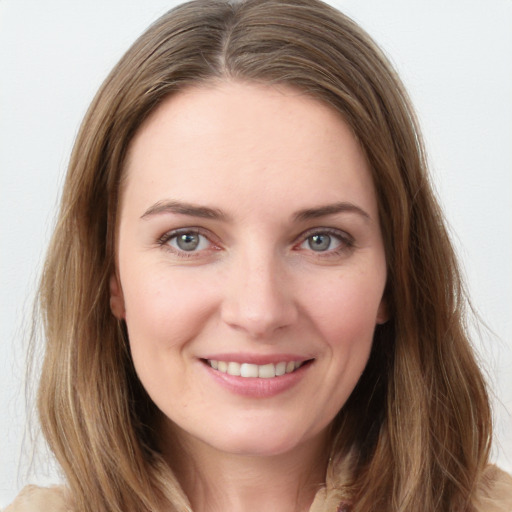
(324, 230)
(179, 231)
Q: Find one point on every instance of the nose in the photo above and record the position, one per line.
(258, 297)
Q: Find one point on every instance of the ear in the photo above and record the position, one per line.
(382, 312)
(116, 298)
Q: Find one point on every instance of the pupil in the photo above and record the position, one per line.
(319, 242)
(188, 241)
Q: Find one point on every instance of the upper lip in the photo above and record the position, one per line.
(259, 359)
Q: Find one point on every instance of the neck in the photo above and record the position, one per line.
(217, 481)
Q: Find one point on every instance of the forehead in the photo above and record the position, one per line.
(246, 141)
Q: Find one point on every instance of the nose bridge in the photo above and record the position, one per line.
(258, 297)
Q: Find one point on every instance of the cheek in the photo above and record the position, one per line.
(164, 310)
(348, 305)
(163, 315)
(345, 314)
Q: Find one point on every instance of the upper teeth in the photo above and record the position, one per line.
(264, 371)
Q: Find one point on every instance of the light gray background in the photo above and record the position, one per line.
(455, 58)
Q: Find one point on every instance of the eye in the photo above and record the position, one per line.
(326, 241)
(185, 241)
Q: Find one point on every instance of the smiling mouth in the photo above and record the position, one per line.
(264, 371)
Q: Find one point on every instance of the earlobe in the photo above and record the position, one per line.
(382, 313)
(116, 298)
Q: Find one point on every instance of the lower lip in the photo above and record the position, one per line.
(256, 387)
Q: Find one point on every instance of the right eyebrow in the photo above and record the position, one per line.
(181, 208)
(331, 209)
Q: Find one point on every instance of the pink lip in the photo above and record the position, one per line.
(256, 358)
(255, 387)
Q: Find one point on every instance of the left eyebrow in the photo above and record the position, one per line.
(181, 208)
(330, 209)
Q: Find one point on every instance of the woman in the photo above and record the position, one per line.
(250, 299)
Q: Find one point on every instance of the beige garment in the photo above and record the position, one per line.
(39, 499)
(495, 491)
(494, 495)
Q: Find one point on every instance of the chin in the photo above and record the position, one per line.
(255, 447)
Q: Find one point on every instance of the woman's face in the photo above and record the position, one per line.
(250, 266)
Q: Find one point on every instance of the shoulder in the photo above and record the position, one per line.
(494, 492)
(39, 499)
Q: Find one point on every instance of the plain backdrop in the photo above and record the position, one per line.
(455, 58)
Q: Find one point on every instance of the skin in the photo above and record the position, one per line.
(259, 283)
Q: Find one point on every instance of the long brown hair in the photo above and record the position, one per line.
(417, 425)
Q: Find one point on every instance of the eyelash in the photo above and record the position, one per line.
(345, 240)
(164, 240)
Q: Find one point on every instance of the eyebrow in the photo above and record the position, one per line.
(330, 209)
(181, 208)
